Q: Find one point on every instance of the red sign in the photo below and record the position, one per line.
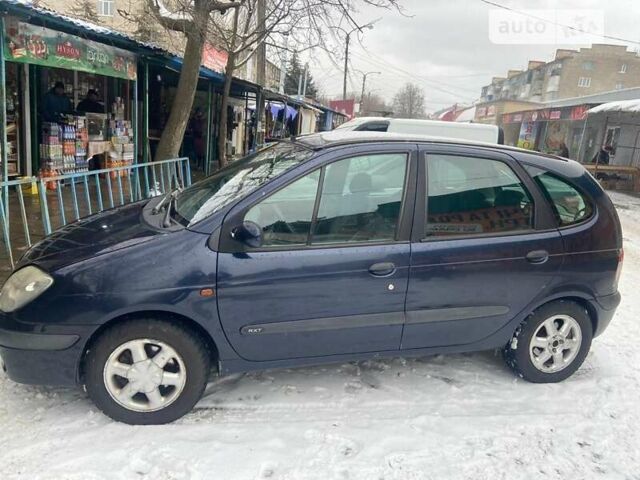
(555, 114)
(68, 50)
(579, 113)
(346, 107)
(214, 59)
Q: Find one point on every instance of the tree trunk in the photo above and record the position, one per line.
(226, 92)
(173, 133)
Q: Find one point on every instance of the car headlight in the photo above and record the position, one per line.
(23, 286)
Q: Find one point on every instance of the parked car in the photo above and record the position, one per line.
(328, 248)
(475, 132)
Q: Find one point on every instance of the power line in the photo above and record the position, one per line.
(415, 78)
(435, 86)
(575, 29)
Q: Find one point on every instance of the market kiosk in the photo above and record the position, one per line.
(46, 134)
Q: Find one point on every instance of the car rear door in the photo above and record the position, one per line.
(484, 246)
(331, 276)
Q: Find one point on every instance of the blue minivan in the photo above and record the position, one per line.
(327, 248)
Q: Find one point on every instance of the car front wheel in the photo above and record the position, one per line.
(147, 371)
(551, 344)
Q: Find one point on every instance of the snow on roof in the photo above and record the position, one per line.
(83, 24)
(596, 98)
(623, 106)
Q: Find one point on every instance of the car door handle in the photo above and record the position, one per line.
(383, 269)
(537, 256)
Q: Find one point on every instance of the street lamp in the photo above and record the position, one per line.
(364, 81)
(346, 55)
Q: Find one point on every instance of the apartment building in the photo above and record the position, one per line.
(572, 73)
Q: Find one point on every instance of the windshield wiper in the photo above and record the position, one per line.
(161, 203)
(166, 221)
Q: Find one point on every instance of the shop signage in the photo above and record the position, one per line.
(346, 107)
(481, 112)
(579, 112)
(531, 116)
(28, 43)
(555, 114)
(214, 59)
(528, 132)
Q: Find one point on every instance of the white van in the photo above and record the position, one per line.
(474, 132)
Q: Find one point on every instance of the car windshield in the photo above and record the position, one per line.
(208, 196)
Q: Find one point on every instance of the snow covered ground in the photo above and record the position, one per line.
(457, 416)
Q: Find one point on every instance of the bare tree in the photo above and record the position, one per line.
(409, 102)
(304, 22)
(191, 19)
(146, 26)
(85, 10)
(239, 38)
(374, 105)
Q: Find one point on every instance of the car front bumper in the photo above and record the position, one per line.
(35, 354)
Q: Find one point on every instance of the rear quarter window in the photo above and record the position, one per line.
(569, 205)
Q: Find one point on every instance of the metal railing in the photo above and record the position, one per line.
(51, 202)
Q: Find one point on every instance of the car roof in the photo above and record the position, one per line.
(362, 120)
(335, 138)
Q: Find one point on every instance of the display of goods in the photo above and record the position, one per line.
(64, 146)
(46, 173)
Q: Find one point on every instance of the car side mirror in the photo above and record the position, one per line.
(248, 233)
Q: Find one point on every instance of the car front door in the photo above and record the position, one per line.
(330, 276)
(484, 246)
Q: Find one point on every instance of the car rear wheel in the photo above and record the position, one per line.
(147, 371)
(551, 344)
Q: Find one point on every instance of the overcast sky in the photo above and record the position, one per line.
(444, 46)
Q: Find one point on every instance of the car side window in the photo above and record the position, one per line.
(361, 199)
(374, 127)
(285, 217)
(569, 205)
(473, 196)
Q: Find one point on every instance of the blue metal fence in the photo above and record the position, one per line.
(52, 202)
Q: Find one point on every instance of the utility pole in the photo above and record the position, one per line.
(283, 65)
(346, 54)
(364, 82)
(261, 60)
(306, 78)
(346, 66)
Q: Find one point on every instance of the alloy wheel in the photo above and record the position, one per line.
(144, 375)
(555, 343)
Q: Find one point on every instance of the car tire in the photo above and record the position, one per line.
(563, 334)
(146, 371)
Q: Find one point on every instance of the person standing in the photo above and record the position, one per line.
(56, 103)
(90, 104)
(198, 130)
(603, 156)
(563, 151)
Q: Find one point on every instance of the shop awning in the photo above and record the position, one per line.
(175, 62)
(270, 95)
(467, 115)
(623, 106)
(49, 18)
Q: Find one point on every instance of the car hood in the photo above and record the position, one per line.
(92, 236)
